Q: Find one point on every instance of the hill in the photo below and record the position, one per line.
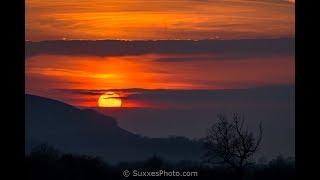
(85, 131)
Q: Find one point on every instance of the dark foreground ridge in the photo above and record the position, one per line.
(84, 131)
(45, 162)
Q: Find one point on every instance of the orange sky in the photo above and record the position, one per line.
(143, 72)
(46, 74)
(158, 19)
(154, 20)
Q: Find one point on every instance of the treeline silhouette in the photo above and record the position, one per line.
(46, 162)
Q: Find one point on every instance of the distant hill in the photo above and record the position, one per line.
(86, 131)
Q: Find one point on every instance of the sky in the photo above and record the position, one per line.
(156, 44)
(172, 62)
(78, 75)
(158, 19)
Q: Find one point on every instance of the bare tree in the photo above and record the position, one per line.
(229, 143)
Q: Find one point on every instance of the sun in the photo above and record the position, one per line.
(109, 99)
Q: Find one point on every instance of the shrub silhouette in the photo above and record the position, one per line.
(45, 162)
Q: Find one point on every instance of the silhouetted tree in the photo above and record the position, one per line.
(229, 143)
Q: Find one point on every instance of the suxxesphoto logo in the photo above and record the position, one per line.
(126, 173)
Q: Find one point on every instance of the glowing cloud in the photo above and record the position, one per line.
(161, 19)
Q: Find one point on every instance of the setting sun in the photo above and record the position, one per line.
(109, 99)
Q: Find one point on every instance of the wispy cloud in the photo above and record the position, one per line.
(161, 19)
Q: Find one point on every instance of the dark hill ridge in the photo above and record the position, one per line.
(74, 130)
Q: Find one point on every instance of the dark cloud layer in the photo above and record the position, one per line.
(192, 98)
(221, 49)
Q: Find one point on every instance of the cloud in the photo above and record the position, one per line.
(220, 48)
(161, 19)
(276, 95)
